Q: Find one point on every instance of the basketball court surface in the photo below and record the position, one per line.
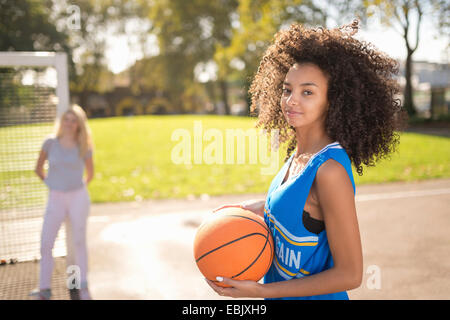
(143, 250)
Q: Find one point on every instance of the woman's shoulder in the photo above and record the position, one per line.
(335, 168)
(332, 175)
(51, 136)
(337, 152)
(330, 170)
(48, 142)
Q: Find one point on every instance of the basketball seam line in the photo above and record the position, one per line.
(265, 226)
(271, 250)
(258, 222)
(256, 259)
(230, 242)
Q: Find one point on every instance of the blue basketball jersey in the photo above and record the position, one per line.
(299, 252)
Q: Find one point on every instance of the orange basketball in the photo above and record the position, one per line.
(233, 243)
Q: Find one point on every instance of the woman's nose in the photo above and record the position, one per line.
(291, 101)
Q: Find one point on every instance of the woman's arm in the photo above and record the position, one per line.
(256, 206)
(335, 193)
(89, 164)
(39, 169)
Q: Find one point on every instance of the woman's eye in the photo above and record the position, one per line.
(307, 92)
(286, 91)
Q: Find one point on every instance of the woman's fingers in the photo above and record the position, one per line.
(219, 290)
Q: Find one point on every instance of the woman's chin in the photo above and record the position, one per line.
(68, 132)
(293, 123)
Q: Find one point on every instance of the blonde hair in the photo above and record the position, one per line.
(83, 138)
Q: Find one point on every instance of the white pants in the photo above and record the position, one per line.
(72, 207)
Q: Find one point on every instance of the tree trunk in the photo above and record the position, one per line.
(83, 100)
(211, 91)
(248, 98)
(224, 92)
(408, 101)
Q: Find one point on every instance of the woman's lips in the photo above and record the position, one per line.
(292, 113)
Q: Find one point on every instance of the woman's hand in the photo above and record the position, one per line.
(255, 206)
(89, 164)
(39, 169)
(238, 289)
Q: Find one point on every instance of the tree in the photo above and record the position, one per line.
(254, 25)
(30, 25)
(88, 37)
(187, 33)
(399, 15)
(26, 25)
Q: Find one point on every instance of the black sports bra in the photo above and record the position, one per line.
(311, 224)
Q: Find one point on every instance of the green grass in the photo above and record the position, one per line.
(133, 160)
(19, 148)
(418, 157)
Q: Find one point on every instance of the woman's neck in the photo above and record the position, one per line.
(68, 139)
(311, 141)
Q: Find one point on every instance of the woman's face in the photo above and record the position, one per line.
(304, 98)
(69, 124)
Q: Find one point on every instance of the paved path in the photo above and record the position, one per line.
(144, 250)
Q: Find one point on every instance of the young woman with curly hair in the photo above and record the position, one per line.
(333, 100)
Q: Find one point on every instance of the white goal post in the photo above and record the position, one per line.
(28, 111)
(58, 60)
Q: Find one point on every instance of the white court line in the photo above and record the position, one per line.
(404, 194)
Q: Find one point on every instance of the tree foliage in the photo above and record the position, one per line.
(187, 33)
(227, 38)
(255, 22)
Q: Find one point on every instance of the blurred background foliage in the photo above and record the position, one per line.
(194, 56)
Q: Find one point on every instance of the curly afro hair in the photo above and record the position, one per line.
(364, 111)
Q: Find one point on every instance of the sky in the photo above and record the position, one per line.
(430, 48)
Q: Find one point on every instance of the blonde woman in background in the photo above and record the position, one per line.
(68, 155)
